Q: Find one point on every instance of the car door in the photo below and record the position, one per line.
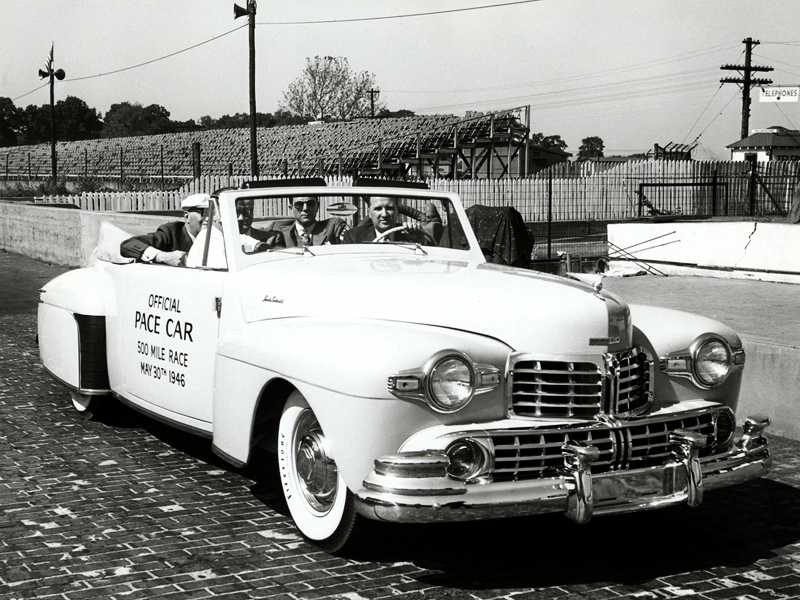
(168, 334)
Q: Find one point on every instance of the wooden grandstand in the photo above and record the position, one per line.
(490, 145)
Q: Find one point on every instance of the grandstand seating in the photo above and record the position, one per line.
(363, 145)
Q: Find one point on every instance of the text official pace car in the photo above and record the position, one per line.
(407, 381)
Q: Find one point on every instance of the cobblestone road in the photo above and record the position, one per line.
(130, 509)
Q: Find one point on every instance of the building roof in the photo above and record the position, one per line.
(776, 137)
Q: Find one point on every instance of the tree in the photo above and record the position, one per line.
(10, 122)
(403, 112)
(329, 90)
(35, 125)
(76, 121)
(243, 120)
(551, 141)
(591, 147)
(126, 119)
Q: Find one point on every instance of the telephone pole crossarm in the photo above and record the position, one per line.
(746, 80)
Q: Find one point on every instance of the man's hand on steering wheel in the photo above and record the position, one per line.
(410, 226)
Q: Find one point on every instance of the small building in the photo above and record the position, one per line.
(764, 145)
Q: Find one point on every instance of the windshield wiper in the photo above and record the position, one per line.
(415, 246)
(293, 250)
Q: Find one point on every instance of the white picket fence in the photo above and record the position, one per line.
(587, 193)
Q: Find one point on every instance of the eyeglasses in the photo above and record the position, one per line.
(300, 204)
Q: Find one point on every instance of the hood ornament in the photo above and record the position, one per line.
(593, 279)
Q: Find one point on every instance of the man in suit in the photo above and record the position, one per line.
(383, 213)
(170, 242)
(252, 238)
(306, 230)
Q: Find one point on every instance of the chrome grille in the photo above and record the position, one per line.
(617, 384)
(549, 388)
(649, 442)
(536, 453)
(632, 381)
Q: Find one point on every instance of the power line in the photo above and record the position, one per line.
(719, 114)
(625, 69)
(701, 114)
(601, 88)
(29, 93)
(785, 116)
(405, 16)
(149, 62)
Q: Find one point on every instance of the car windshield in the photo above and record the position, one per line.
(304, 221)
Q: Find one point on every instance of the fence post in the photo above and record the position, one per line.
(549, 213)
(162, 167)
(196, 159)
(753, 160)
(714, 193)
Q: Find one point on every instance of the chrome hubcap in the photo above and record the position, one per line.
(316, 470)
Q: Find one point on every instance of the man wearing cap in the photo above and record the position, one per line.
(171, 241)
(306, 230)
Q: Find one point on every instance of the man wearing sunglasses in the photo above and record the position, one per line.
(306, 230)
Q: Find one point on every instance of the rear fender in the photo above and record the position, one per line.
(72, 329)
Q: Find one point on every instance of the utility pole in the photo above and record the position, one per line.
(746, 81)
(53, 75)
(372, 94)
(250, 11)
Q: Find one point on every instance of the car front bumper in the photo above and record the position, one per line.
(414, 487)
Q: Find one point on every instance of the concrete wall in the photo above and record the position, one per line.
(62, 236)
(766, 251)
(771, 386)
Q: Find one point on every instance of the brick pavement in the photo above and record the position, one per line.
(131, 509)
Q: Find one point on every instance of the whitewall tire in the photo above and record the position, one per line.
(87, 406)
(318, 499)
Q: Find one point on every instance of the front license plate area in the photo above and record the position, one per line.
(649, 485)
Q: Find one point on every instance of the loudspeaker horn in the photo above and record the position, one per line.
(43, 73)
(60, 74)
(238, 11)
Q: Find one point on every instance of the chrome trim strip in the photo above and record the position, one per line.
(161, 418)
(72, 388)
(227, 457)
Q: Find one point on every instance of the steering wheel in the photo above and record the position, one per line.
(379, 237)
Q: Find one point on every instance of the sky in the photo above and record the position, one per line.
(633, 72)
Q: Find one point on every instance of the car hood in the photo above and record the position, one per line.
(524, 309)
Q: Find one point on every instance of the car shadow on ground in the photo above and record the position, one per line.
(734, 527)
(261, 472)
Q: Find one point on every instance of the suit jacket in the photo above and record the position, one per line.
(266, 236)
(327, 231)
(365, 232)
(167, 238)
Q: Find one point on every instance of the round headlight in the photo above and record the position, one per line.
(452, 384)
(712, 362)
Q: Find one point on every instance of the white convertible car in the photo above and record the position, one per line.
(410, 380)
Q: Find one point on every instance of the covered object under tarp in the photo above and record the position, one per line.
(502, 234)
